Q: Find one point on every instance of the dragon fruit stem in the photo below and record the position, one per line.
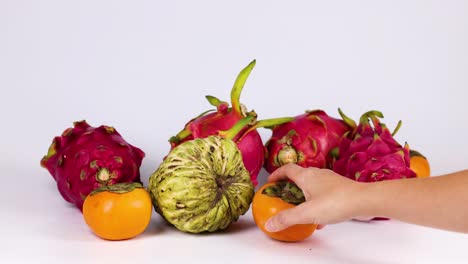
(233, 131)
(214, 101)
(272, 122)
(269, 123)
(350, 122)
(180, 136)
(239, 85)
(174, 140)
(373, 114)
(396, 128)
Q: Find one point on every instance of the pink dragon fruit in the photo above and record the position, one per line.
(370, 154)
(306, 141)
(223, 121)
(84, 158)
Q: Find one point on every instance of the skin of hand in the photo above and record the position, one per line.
(439, 202)
(329, 197)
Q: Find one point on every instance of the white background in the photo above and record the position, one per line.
(144, 67)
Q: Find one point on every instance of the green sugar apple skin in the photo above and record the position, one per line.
(202, 185)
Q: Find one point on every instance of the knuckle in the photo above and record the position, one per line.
(290, 166)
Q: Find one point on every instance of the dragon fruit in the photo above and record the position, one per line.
(370, 153)
(306, 141)
(220, 122)
(84, 158)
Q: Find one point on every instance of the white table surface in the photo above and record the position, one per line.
(38, 226)
(144, 68)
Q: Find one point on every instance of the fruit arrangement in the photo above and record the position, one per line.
(208, 178)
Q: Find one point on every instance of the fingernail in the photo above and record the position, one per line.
(270, 226)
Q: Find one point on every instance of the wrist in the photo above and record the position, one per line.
(363, 201)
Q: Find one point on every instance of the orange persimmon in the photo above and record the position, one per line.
(419, 164)
(265, 206)
(119, 211)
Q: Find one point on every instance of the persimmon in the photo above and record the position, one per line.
(273, 198)
(119, 211)
(419, 164)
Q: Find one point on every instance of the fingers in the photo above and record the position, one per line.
(298, 215)
(288, 171)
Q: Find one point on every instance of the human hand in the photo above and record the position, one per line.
(330, 198)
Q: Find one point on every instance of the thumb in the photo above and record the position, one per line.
(298, 215)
